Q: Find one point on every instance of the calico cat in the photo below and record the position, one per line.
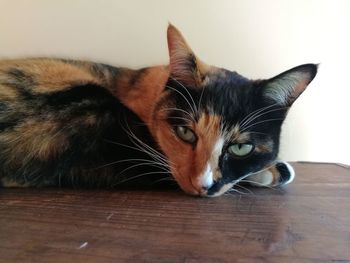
(82, 124)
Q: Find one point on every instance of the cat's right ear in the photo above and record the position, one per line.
(286, 87)
(184, 65)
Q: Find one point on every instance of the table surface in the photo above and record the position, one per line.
(307, 221)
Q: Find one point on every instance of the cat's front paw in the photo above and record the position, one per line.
(279, 174)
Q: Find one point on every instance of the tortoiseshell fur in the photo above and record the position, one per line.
(61, 125)
(83, 124)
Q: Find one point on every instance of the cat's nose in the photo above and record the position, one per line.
(206, 179)
(205, 188)
(210, 190)
(204, 191)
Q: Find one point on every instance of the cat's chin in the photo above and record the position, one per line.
(217, 189)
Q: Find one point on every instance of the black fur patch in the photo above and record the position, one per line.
(16, 73)
(7, 121)
(76, 94)
(20, 78)
(233, 98)
(100, 70)
(8, 125)
(284, 172)
(3, 107)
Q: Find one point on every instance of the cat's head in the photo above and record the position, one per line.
(216, 126)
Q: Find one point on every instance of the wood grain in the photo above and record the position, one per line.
(308, 221)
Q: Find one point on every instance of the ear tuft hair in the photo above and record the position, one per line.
(286, 87)
(184, 64)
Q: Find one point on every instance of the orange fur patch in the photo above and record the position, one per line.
(186, 160)
(208, 130)
(145, 93)
(7, 93)
(265, 148)
(34, 139)
(50, 75)
(60, 75)
(235, 135)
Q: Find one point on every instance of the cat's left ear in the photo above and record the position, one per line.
(285, 88)
(185, 66)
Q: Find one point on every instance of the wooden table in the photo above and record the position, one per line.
(308, 221)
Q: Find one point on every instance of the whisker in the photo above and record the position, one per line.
(192, 109)
(245, 188)
(235, 190)
(252, 114)
(260, 122)
(200, 98)
(121, 161)
(181, 118)
(143, 146)
(260, 115)
(144, 164)
(138, 176)
(194, 104)
(169, 179)
(254, 132)
(265, 186)
(180, 110)
(124, 145)
(257, 172)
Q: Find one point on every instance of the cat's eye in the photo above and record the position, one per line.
(185, 134)
(241, 149)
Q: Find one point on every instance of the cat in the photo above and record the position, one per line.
(82, 124)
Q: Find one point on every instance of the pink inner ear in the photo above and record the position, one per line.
(178, 48)
(300, 87)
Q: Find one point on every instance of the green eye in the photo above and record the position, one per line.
(241, 149)
(185, 134)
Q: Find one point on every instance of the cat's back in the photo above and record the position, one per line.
(42, 75)
(54, 115)
(49, 90)
(43, 92)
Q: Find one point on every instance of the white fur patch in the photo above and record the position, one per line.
(223, 189)
(264, 178)
(207, 178)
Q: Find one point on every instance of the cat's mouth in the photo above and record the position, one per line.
(217, 189)
(222, 186)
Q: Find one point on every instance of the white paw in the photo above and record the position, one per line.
(262, 179)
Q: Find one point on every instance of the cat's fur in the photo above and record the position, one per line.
(83, 124)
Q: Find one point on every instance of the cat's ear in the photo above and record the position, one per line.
(286, 87)
(184, 64)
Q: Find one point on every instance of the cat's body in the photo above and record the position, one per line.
(73, 123)
(61, 124)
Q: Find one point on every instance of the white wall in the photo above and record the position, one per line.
(256, 38)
